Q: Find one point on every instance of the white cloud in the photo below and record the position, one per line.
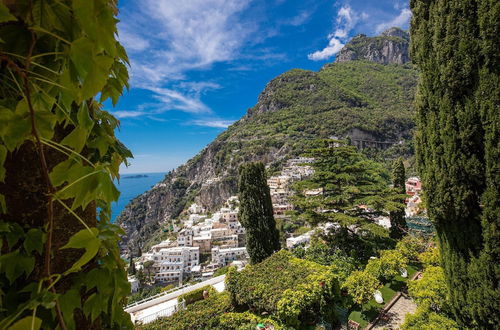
(299, 19)
(128, 114)
(400, 21)
(334, 46)
(132, 42)
(168, 39)
(212, 123)
(346, 20)
(174, 100)
(183, 35)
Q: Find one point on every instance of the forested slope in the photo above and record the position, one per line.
(364, 100)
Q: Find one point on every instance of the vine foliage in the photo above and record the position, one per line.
(60, 266)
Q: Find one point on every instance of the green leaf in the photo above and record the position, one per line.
(87, 240)
(84, 118)
(3, 156)
(15, 126)
(5, 14)
(69, 302)
(14, 264)
(82, 55)
(76, 139)
(34, 241)
(27, 323)
(3, 204)
(97, 76)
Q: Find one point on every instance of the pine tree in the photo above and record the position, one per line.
(354, 190)
(398, 222)
(256, 213)
(456, 45)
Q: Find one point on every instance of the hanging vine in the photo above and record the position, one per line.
(60, 268)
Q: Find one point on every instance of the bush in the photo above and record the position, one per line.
(431, 289)
(424, 319)
(246, 320)
(430, 257)
(196, 295)
(203, 314)
(221, 271)
(285, 286)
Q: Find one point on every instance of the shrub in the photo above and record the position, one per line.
(425, 319)
(285, 286)
(430, 257)
(361, 285)
(430, 289)
(246, 320)
(196, 295)
(203, 314)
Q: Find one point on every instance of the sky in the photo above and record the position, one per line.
(198, 65)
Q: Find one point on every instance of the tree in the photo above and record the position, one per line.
(455, 45)
(431, 289)
(353, 192)
(361, 285)
(398, 222)
(59, 156)
(256, 213)
(131, 266)
(388, 265)
(425, 319)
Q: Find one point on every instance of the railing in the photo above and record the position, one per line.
(163, 313)
(135, 303)
(171, 294)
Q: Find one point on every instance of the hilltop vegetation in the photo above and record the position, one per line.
(294, 108)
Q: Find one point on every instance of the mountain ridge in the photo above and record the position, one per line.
(364, 100)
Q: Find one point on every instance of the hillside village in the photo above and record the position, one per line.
(205, 242)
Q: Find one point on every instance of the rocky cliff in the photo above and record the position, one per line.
(364, 99)
(390, 47)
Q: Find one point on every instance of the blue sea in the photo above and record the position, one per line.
(131, 187)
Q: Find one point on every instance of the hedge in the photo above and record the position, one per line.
(196, 295)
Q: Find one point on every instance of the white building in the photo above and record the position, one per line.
(196, 209)
(134, 283)
(302, 239)
(185, 237)
(223, 257)
(173, 263)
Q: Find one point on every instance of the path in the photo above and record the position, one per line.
(395, 317)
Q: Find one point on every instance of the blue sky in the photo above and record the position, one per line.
(198, 65)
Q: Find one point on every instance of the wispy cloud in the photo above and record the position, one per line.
(299, 19)
(217, 123)
(183, 35)
(401, 20)
(346, 20)
(168, 39)
(128, 114)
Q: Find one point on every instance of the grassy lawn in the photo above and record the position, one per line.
(371, 309)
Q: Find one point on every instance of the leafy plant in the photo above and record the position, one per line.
(361, 285)
(60, 263)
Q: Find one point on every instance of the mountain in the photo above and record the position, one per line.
(369, 102)
(392, 46)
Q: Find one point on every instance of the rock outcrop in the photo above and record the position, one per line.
(391, 47)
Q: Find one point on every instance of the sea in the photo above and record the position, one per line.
(131, 186)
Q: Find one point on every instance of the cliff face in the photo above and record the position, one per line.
(342, 99)
(391, 47)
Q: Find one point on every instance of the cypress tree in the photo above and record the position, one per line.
(131, 266)
(398, 223)
(456, 46)
(256, 213)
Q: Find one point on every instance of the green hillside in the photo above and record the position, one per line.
(353, 99)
